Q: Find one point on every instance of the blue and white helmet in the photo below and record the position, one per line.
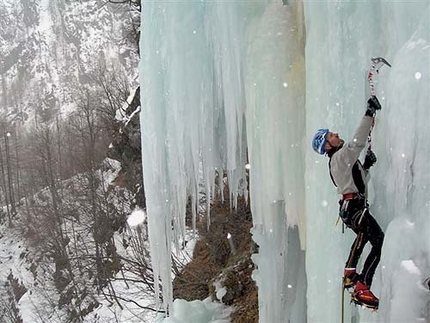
(319, 141)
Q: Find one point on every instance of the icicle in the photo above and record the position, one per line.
(193, 101)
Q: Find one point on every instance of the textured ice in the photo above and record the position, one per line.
(193, 115)
(226, 83)
(410, 267)
(204, 311)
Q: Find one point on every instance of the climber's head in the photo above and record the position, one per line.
(325, 140)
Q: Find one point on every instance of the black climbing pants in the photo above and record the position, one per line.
(356, 216)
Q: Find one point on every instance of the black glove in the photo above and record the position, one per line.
(372, 105)
(369, 160)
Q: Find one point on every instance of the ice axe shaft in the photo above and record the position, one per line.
(376, 63)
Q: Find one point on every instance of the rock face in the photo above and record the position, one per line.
(48, 49)
(126, 148)
(51, 50)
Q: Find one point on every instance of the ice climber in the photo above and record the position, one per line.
(349, 176)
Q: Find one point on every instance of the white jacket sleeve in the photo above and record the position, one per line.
(353, 148)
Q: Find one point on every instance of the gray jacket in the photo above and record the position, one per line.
(346, 170)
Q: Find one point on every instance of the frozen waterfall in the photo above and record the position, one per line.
(224, 83)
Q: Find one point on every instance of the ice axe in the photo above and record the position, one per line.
(377, 62)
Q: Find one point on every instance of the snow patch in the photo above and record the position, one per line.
(137, 217)
(410, 266)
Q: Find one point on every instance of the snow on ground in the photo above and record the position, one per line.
(137, 302)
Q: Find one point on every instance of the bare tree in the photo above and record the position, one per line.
(5, 194)
(12, 292)
(86, 126)
(17, 164)
(9, 172)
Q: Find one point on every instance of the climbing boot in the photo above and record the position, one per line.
(363, 296)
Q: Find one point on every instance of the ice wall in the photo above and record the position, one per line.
(404, 176)
(341, 37)
(226, 82)
(210, 70)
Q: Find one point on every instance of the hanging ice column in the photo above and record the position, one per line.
(275, 125)
(192, 117)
